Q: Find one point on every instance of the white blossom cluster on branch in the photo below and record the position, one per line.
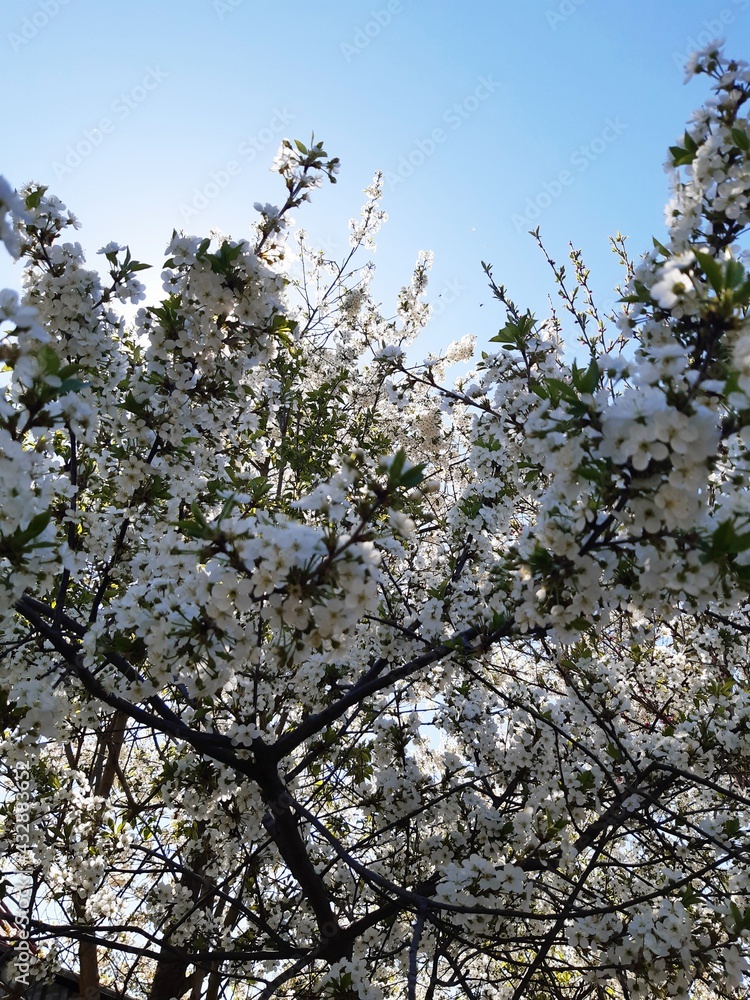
(335, 679)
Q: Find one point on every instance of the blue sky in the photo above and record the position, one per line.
(484, 116)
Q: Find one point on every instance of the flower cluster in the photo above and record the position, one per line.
(328, 677)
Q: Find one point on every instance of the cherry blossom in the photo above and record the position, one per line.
(324, 676)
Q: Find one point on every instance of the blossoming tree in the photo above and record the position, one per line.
(324, 678)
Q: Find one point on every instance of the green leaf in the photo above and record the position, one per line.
(514, 334)
(734, 274)
(586, 382)
(580, 624)
(508, 335)
(71, 385)
(726, 541)
(722, 536)
(690, 896)
(258, 488)
(396, 465)
(681, 157)
(740, 543)
(195, 511)
(413, 477)
(37, 524)
(561, 390)
(49, 362)
(132, 405)
(33, 198)
(740, 139)
(539, 388)
(586, 780)
(470, 506)
(712, 269)
(591, 473)
(191, 529)
(732, 827)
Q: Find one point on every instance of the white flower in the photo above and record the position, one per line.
(267, 209)
(741, 353)
(330, 618)
(390, 352)
(402, 524)
(10, 202)
(461, 350)
(671, 286)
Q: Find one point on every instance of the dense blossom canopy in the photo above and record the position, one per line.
(322, 677)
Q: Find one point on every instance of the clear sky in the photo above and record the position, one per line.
(487, 117)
